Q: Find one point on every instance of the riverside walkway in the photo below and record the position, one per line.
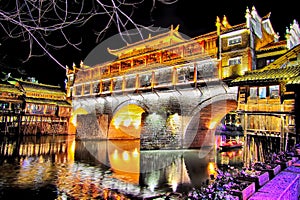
(284, 186)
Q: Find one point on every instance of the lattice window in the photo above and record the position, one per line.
(234, 41)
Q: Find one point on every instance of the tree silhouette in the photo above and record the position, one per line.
(50, 24)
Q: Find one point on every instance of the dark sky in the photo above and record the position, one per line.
(195, 17)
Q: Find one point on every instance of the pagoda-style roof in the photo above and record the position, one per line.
(274, 46)
(47, 101)
(234, 28)
(209, 35)
(6, 87)
(28, 86)
(268, 76)
(272, 49)
(151, 43)
(294, 81)
(284, 69)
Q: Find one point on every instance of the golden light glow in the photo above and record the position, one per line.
(211, 168)
(174, 122)
(135, 153)
(115, 155)
(71, 149)
(126, 156)
(125, 160)
(126, 122)
(73, 118)
(174, 185)
(117, 122)
(212, 125)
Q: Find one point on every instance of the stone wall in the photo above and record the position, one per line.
(172, 119)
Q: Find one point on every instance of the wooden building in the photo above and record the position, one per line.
(32, 108)
(228, 52)
(268, 98)
(158, 62)
(11, 103)
(169, 60)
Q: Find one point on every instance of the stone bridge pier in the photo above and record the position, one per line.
(171, 118)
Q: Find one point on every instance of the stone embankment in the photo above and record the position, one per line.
(284, 186)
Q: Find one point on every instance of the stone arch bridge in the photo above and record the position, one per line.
(172, 118)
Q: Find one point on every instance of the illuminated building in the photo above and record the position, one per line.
(267, 98)
(29, 107)
(230, 51)
(172, 63)
(11, 106)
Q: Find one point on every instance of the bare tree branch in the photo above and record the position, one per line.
(45, 23)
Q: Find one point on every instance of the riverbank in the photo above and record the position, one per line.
(285, 185)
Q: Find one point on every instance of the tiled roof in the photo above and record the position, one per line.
(47, 101)
(42, 88)
(274, 45)
(286, 68)
(234, 28)
(270, 75)
(9, 88)
(294, 81)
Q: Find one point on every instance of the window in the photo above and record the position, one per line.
(253, 93)
(242, 94)
(106, 85)
(235, 61)
(96, 87)
(78, 90)
(274, 91)
(262, 92)
(117, 84)
(145, 80)
(234, 41)
(87, 89)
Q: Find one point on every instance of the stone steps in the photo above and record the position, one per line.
(285, 185)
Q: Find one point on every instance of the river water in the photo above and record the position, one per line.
(62, 167)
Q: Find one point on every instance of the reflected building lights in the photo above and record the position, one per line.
(135, 153)
(115, 155)
(211, 168)
(212, 125)
(126, 156)
(127, 122)
(174, 185)
(152, 184)
(173, 175)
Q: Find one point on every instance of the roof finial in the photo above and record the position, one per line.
(248, 16)
(218, 25)
(225, 22)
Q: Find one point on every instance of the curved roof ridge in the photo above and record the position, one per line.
(173, 32)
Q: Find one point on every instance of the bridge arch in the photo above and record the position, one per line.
(205, 117)
(127, 119)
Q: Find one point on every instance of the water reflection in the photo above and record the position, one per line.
(61, 167)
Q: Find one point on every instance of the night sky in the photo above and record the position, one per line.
(195, 17)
